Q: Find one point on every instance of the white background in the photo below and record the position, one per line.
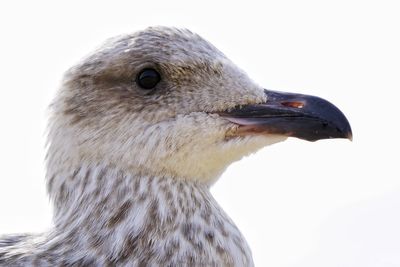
(329, 203)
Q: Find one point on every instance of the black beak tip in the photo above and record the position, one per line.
(343, 132)
(350, 137)
(348, 133)
(343, 127)
(332, 124)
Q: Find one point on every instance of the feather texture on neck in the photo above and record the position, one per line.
(113, 217)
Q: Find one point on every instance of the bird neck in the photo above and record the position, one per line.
(127, 216)
(106, 193)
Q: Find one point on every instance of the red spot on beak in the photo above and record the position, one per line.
(293, 104)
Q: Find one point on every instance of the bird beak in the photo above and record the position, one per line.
(306, 117)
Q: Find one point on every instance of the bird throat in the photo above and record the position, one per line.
(143, 219)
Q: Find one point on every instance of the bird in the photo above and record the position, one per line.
(139, 131)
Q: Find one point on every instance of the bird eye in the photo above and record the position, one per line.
(148, 78)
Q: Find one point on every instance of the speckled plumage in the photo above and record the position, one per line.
(119, 220)
(129, 170)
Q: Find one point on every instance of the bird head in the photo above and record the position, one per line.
(165, 102)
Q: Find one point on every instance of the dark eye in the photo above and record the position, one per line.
(148, 78)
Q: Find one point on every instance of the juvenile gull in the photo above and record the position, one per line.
(140, 130)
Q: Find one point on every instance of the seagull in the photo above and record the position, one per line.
(139, 131)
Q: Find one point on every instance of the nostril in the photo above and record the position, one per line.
(293, 104)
